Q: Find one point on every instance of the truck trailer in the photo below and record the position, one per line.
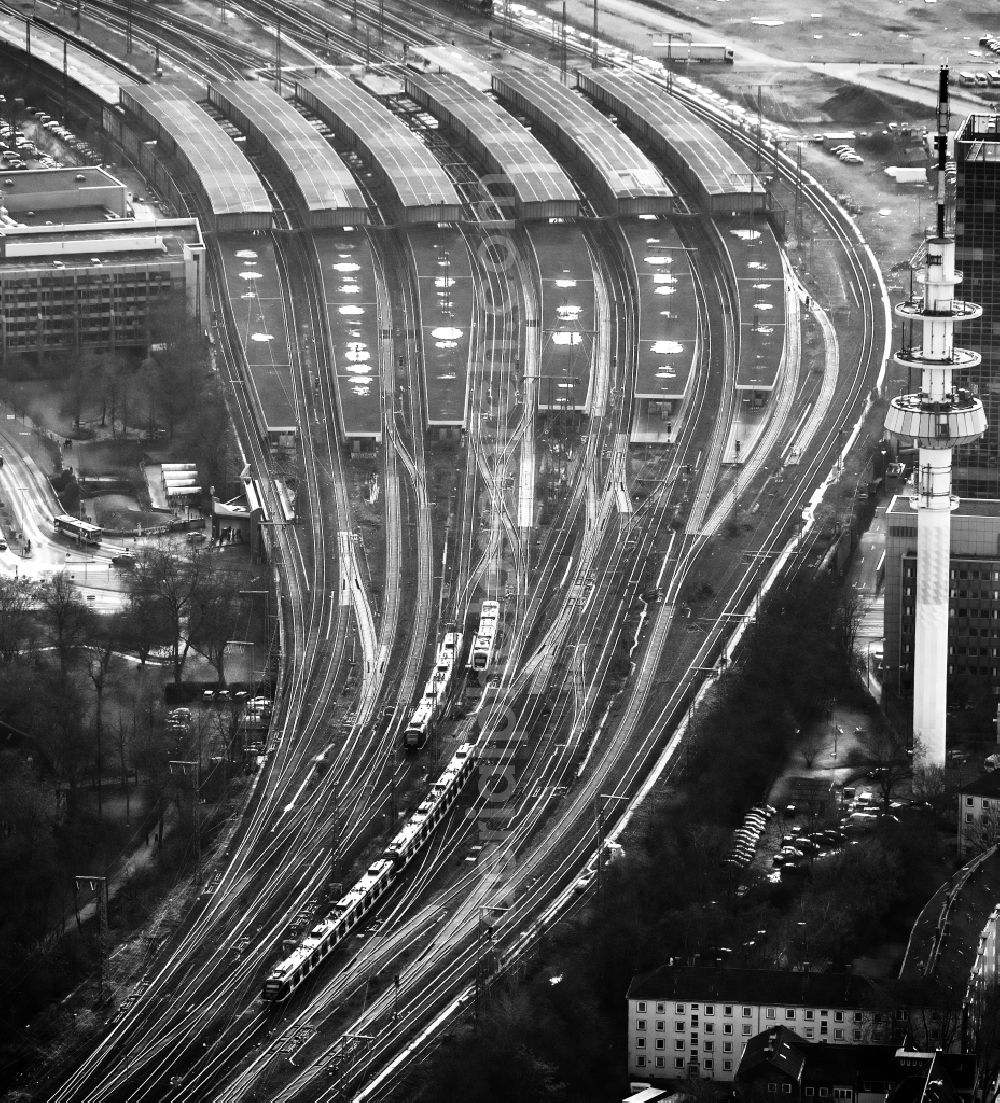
(694, 51)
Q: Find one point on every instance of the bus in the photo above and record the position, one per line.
(83, 532)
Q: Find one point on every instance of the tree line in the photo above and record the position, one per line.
(81, 725)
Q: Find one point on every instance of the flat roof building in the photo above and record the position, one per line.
(95, 284)
(524, 174)
(227, 185)
(420, 189)
(624, 178)
(76, 194)
(323, 185)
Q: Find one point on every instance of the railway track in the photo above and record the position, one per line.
(553, 837)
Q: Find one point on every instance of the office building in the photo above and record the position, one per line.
(977, 254)
(95, 284)
(973, 643)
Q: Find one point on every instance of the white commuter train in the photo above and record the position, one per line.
(435, 697)
(350, 909)
(485, 639)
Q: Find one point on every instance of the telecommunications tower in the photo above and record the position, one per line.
(938, 418)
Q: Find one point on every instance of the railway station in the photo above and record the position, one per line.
(347, 272)
(668, 329)
(624, 178)
(444, 284)
(257, 316)
(703, 161)
(93, 83)
(227, 187)
(760, 283)
(419, 188)
(566, 317)
(321, 183)
(527, 177)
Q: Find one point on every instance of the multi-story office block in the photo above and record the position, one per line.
(977, 254)
(973, 667)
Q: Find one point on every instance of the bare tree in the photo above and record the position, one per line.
(215, 616)
(885, 751)
(102, 652)
(172, 586)
(812, 743)
(68, 619)
(17, 598)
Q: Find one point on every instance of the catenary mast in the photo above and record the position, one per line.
(937, 419)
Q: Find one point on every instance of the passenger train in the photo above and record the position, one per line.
(350, 909)
(485, 640)
(439, 685)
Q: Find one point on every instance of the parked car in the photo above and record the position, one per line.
(196, 537)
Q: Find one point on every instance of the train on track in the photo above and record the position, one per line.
(351, 908)
(435, 699)
(486, 635)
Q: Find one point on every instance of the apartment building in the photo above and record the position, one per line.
(780, 1064)
(979, 814)
(695, 1021)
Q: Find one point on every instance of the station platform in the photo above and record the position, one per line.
(760, 282)
(668, 344)
(443, 269)
(258, 313)
(567, 316)
(347, 271)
